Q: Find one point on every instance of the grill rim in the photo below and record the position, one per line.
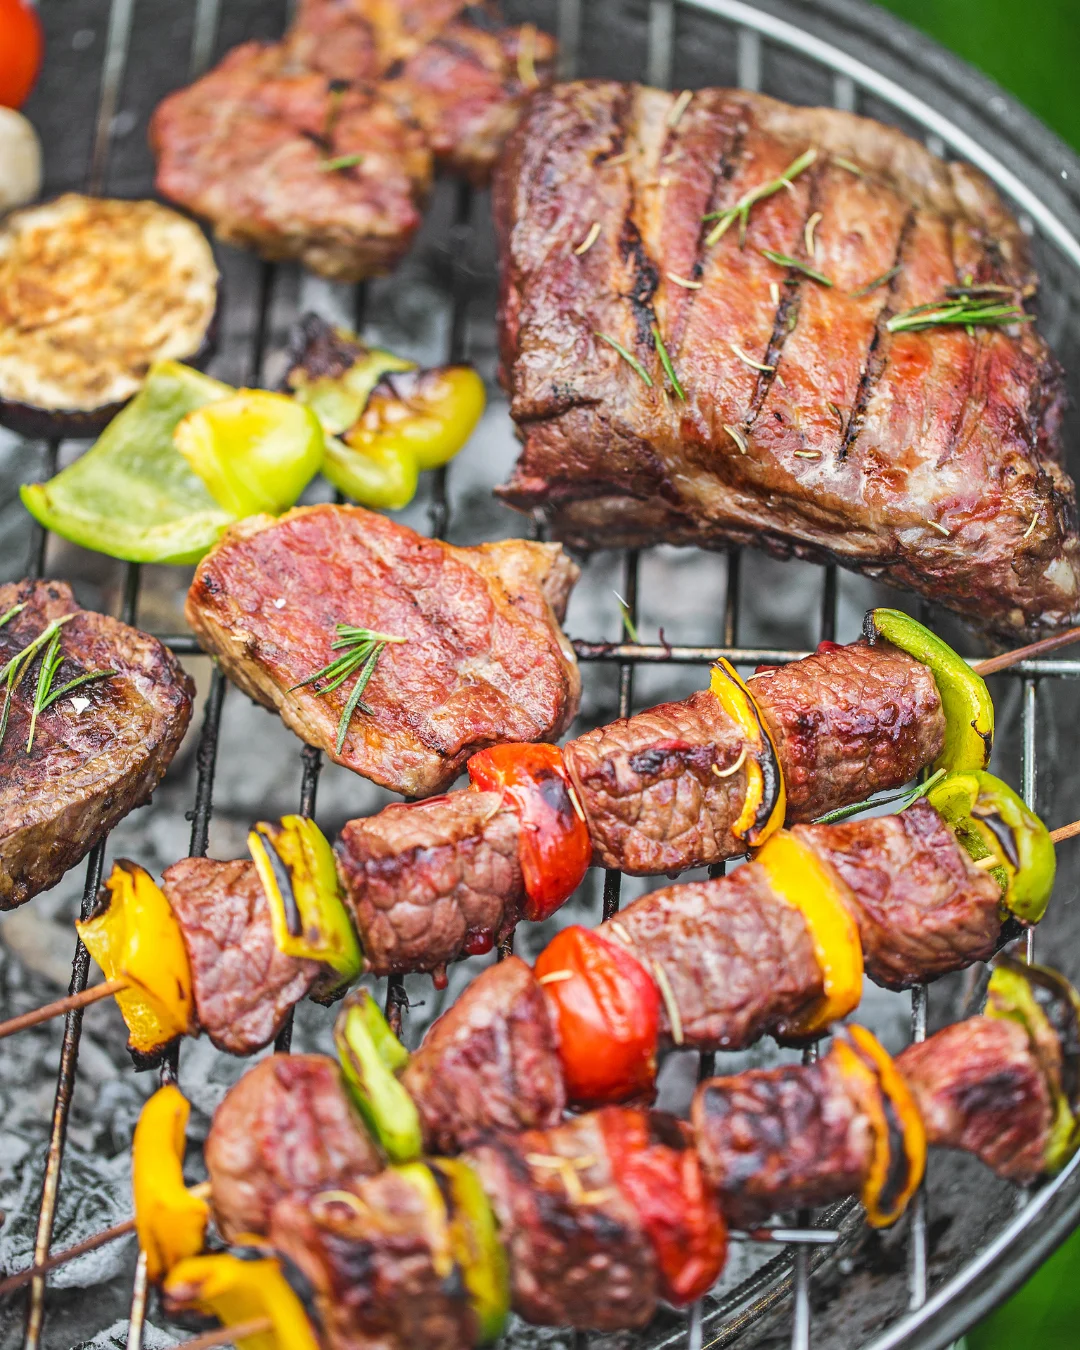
(1024, 148)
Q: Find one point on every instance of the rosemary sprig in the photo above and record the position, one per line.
(741, 210)
(340, 162)
(360, 651)
(628, 357)
(963, 313)
(665, 361)
(15, 609)
(782, 260)
(44, 696)
(908, 798)
(882, 280)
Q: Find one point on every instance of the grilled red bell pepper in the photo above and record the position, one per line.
(607, 1009)
(680, 1213)
(554, 847)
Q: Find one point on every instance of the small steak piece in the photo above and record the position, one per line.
(650, 789)
(773, 1139)
(808, 421)
(980, 1088)
(97, 753)
(739, 961)
(490, 1063)
(579, 1255)
(288, 1126)
(848, 722)
(365, 1247)
(922, 907)
(468, 88)
(484, 659)
(429, 882)
(252, 147)
(244, 987)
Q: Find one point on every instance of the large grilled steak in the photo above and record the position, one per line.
(97, 752)
(483, 658)
(930, 458)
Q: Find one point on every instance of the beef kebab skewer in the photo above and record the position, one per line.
(591, 1223)
(779, 946)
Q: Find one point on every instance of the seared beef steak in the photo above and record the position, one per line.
(244, 986)
(97, 753)
(483, 661)
(930, 458)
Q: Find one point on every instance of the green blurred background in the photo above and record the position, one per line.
(1032, 48)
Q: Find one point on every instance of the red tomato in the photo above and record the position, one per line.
(554, 846)
(663, 1181)
(21, 45)
(607, 1007)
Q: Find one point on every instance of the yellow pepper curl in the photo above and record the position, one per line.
(135, 938)
(170, 1220)
(765, 804)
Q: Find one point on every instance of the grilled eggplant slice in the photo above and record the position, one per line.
(92, 291)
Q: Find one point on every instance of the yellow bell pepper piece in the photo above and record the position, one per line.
(384, 477)
(801, 879)
(765, 804)
(170, 1221)
(238, 1292)
(888, 1189)
(136, 938)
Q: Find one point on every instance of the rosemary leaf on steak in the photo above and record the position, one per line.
(908, 798)
(665, 361)
(962, 313)
(360, 651)
(741, 210)
(341, 162)
(628, 357)
(882, 280)
(12, 612)
(782, 260)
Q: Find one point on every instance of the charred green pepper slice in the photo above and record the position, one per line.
(474, 1242)
(991, 822)
(296, 867)
(965, 699)
(371, 1057)
(1048, 1008)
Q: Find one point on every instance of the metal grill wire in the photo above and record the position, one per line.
(788, 1275)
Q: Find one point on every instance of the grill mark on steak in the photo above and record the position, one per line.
(645, 275)
(876, 360)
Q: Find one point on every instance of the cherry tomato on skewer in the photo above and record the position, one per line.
(21, 46)
(607, 1007)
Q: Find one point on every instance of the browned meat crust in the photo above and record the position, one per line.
(246, 147)
(578, 1254)
(979, 1087)
(649, 791)
(930, 458)
(366, 1249)
(922, 908)
(484, 659)
(431, 880)
(87, 768)
(848, 722)
(740, 962)
(244, 986)
(491, 1063)
(772, 1139)
(287, 1127)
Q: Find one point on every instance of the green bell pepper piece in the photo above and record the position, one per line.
(307, 912)
(132, 495)
(965, 699)
(474, 1241)
(1046, 1005)
(990, 820)
(255, 451)
(371, 1055)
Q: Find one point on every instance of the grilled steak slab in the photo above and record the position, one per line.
(244, 986)
(930, 458)
(484, 659)
(97, 753)
(489, 1063)
(287, 1127)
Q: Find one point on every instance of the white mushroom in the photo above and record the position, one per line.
(20, 161)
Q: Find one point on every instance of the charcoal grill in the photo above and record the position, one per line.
(968, 1242)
